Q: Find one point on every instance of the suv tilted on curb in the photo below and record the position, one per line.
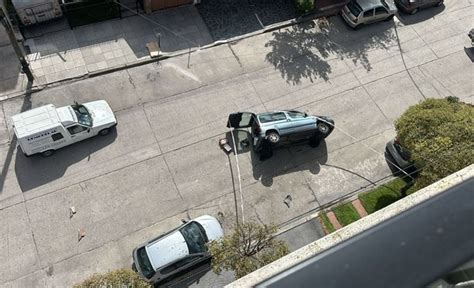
(282, 127)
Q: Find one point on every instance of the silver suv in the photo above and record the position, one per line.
(360, 12)
(281, 127)
(177, 251)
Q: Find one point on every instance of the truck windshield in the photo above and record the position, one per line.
(83, 115)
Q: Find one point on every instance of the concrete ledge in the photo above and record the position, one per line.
(353, 229)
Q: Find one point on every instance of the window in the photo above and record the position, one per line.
(144, 263)
(296, 114)
(57, 136)
(354, 8)
(178, 264)
(270, 117)
(369, 13)
(380, 11)
(76, 129)
(83, 115)
(195, 238)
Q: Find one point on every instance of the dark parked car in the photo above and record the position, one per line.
(282, 127)
(412, 6)
(399, 155)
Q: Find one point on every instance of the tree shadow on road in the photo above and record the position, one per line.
(303, 51)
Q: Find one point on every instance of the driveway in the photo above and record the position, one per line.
(164, 164)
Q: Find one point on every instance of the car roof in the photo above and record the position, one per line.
(166, 250)
(35, 120)
(369, 4)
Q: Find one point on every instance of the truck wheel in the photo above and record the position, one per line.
(47, 153)
(104, 132)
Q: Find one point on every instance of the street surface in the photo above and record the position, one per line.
(164, 164)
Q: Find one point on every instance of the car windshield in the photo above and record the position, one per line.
(144, 263)
(354, 8)
(83, 115)
(195, 238)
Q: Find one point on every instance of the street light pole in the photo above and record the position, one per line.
(19, 52)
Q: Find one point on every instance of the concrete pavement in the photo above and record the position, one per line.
(164, 163)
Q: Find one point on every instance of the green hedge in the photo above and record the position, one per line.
(346, 214)
(385, 195)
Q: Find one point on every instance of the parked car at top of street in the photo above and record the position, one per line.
(282, 127)
(412, 6)
(45, 129)
(180, 249)
(399, 154)
(361, 12)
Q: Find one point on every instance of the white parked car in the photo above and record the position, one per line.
(45, 129)
(361, 12)
(180, 249)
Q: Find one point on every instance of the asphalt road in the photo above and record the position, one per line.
(164, 163)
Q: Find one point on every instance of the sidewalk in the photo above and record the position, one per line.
(11, 80)
(56, 52)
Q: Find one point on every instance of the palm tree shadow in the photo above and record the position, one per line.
(303, 51)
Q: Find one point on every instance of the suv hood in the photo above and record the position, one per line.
(101, 113)
(212, 227)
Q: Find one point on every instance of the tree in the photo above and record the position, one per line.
(439, 134)
(248, 248)
(115, 278)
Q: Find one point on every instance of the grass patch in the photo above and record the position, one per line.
(385, 195)
(326, 223)
(346, 214)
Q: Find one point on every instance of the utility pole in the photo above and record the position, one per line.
(18, 50)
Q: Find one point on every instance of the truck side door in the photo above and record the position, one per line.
(79, 132)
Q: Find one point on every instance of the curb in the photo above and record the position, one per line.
(269, 28)
(285, 228)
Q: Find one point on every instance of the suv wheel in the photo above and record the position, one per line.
(273, 137)
(323, 127)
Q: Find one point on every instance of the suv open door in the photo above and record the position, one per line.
(241, 120)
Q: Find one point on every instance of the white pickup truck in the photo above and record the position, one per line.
(45, 129)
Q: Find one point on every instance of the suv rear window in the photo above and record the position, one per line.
(270, 117)
(354, 8)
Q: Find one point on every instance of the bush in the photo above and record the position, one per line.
(439, 134)
(304, 6)
(117, 278)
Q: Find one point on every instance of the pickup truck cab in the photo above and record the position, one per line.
(45, 129)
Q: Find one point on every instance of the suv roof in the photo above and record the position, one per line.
(167, 249)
